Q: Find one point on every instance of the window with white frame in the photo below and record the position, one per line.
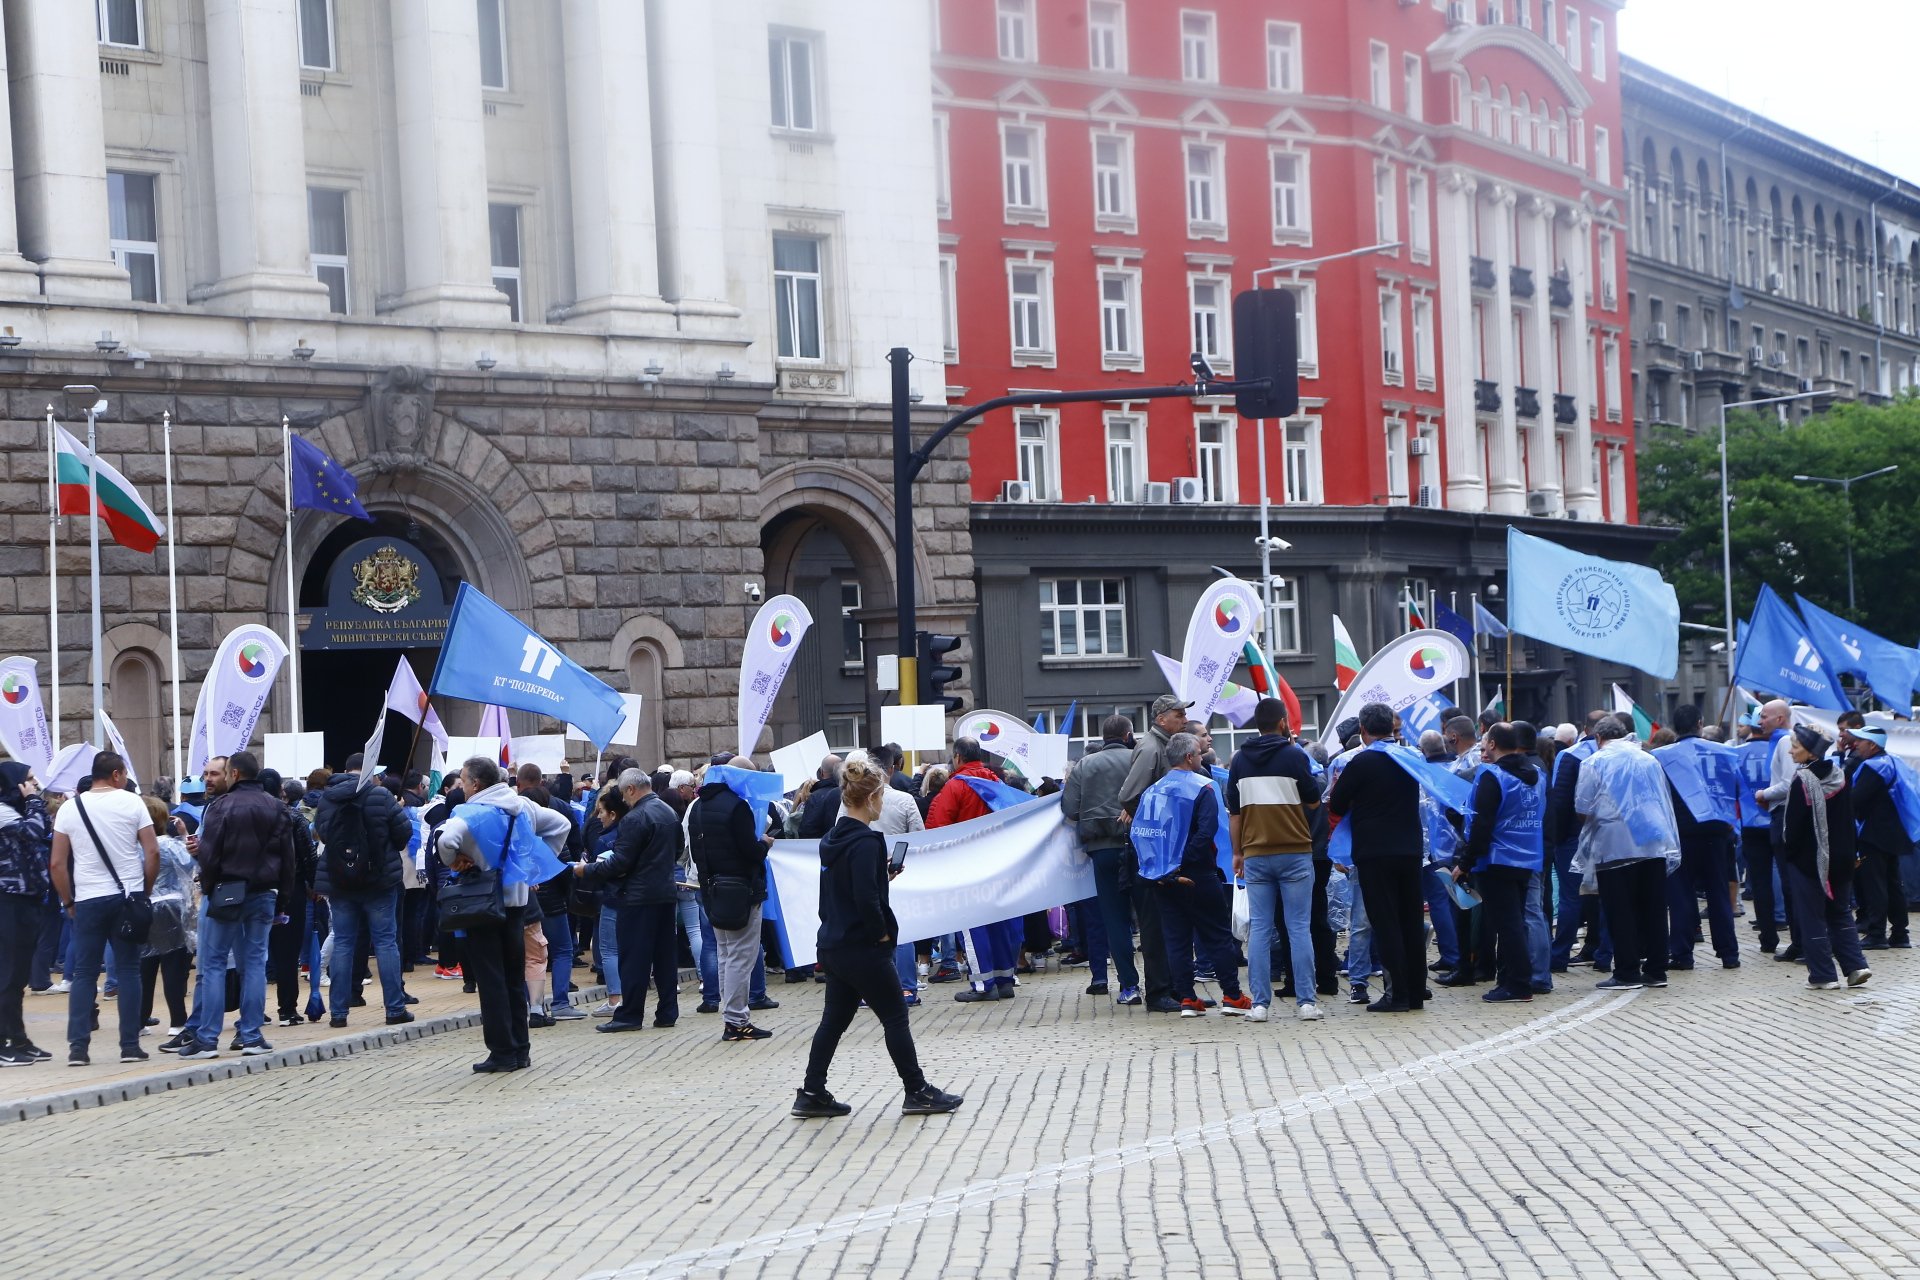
(1393, 359)
(121, 22)
(790, 73)
(1610, 357)
(853, 649)
(1107, 35)
(797, 280)
(1423, 345)
(1283, 57)
(1573, 39)
(1602, 155)
(1617, 485)
(943, 165)
(1015, 28)
(1083, 617)
(1302, 449)
(1396, 460)
(1597, 48)
(1119, 316)
(1113, 179)
(1038, 436)
(1609, 272)
(503, 235)
(949, 308)
(1386, 203)
(133, 218)
(1208, 298)
(1206, 201)
(1292, 196)
(1419, 217)
(1213, 458)
(1307, 325)
(1023, 170)
(314, 20)
(1286, 616)
(1379, 77)
(1413, 85)
(1416, 600)
(1197, 59)
(493, 43)
(1592, 387)
(327, 244)
(846, 733)
(1030, 289)
(1549, 25)
(1427, 465)
(1126, 456)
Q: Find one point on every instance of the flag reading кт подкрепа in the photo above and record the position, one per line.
(1603, 608)
(490, 656)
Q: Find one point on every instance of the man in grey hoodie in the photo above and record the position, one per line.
(1091, 798)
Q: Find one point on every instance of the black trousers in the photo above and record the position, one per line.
(169, 973)
(1704, 860)
(1503, 896)
(1396, 908)
(19, 935)
(647, 938)
(1634, 896)
(495, 959)
(284, 944)
(855, 974)
(1880, 895)
(1153, 938)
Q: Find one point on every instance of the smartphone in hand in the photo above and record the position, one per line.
(898, 862)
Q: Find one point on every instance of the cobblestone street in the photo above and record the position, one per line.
(1732, 1125)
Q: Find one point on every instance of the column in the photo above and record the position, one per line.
(1582, 496)
(1506, 487)
(443, 172)
(60, 150)
(18, 278)
(1466, 487)
(616, 281)
(686, 151)
(1536, 230)
(259, 162)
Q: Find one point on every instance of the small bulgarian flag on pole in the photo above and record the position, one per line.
(130, 521)
(1346, 662)
(1624, 706)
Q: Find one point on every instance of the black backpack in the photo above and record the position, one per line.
(356, 855)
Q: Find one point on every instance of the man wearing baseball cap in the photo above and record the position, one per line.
(1886, 805)
(1169, 716)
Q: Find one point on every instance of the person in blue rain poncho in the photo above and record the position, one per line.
(1627, 847)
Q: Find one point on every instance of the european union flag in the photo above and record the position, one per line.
(321, 484)
(1452, 623)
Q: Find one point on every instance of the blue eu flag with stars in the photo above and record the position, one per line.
(321, 484)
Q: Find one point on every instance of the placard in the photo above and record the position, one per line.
(1047, 755)
(461, 750)
(627, 735)
(295, 755)
(548, 750)
(801, 761)
(915, 728)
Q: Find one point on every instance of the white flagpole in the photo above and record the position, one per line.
(173, 599)
(93, 547)
(1478, 704)
(1453, 606)
(53, 573)
(293, 644)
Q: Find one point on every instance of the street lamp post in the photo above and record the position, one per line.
(1846, 490)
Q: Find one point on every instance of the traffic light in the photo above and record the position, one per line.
(938, 670)
(1266, 346)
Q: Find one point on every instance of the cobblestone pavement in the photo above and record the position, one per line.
(1732, 1125)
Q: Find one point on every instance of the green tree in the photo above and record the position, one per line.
(1791, 534)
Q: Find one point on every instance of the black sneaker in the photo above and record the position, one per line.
(929, 1101)
(12, 1057)
(818, 1106)
(745, 1031)
(195, 1049)
(974, 995)
(77, 1057)
(534, 1019)
(1358, 995)
(32, 1050)
(763, 1004)
(707, 1006)
(336, 1022)
(1096, 988)
(178, 1043)
(1615, 984)
(135, 1054)
(287, 1020)
(254, 1049)
(236, 1046)
(396, 1019)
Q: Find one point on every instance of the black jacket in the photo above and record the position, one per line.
(823, 806)
(1563, 823)
(854, 911)
(720, 825)
(1382, 802)
(382, 814)
(248, 835)
(1874, 810)
(645, 848)
(1798, 841)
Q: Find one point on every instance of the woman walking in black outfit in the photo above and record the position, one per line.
(856, 949)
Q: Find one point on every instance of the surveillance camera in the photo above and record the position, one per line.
(753, 592)
(1277, 582)
(1202, 371)
(1273, 544)
(99, 407)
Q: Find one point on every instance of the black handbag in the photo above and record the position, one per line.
(136, 912)
(475, 898)
(227, 901)
(729, 901)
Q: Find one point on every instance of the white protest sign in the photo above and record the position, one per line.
(1047, 753)
(549, 751)
(915, 728)
(461, 750)
(295, 755)
(799, 762)
(628, 734)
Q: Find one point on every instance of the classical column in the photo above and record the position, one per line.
(1582, 496)
(1466, 487)
(616, 280)
(1536, 232)
(686, 150)
(60, 150)
(443, 171)
(259, 162)
(1507, 487)
(18, 278)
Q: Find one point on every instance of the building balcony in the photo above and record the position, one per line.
(1526, 402)
(1520, 282)
(1486, 396)
(1560, 289)
(1480, 272)
(1565, 411)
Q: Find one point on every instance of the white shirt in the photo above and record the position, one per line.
(119, 817)
(898, 813)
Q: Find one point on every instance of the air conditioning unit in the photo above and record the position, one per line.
(1425, 496)
(1697, 361)
(1187, 489)
(1539, 502)
(1756, 355)
(1459, 13)
(1806, 385)
(1016, 491)
(1158, 493)
(1658, 333)
(1778, 359)
(1420, 446)
(1775, 282)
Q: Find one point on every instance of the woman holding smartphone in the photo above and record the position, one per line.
(856, 944)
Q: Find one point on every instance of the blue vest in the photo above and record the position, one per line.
(1755, 759)
(1706, 776)
(1162, 820)
(1519, 828)
(528, 855)
(1223, 838)
(1903, 788)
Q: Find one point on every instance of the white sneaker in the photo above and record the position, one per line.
(1858, 976)
(59, 988)
(925, 970)
(1309, 1013)
(606, 1010)
(1193, 1013)
(1822, 986)
(1257, 1014)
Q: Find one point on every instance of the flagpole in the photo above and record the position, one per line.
(173, 597)
(1453, 607)
(1507, 692)
(1479, 703)
(293, 651)
(53, 571)
(93, 548)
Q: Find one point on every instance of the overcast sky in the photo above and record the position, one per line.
(1839, 71)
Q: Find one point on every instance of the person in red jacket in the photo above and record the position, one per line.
(994, 949)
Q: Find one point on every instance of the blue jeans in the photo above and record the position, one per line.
(907, 967)
(246, 939)
(710, 965)
(1539, 936)
(1359, 938)
(1284, 880)
(93, 920)
(1568, 908)
(559, 931)
(606, 949)
(1433, 882)
(373, 913)
(1115, 906)
(692, 918)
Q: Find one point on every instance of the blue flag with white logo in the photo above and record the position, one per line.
(1422, 716)
(1890, 669)
(491, 656)
(1487, 624)
(1603, 608)
(1776, 654)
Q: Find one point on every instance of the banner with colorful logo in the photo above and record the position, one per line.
(1222, 622)
(772, 641)
(234, 693)
(1006, 736)
(1406, 670)
(1236, 701)
(23, 720)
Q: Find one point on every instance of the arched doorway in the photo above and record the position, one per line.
(134, 683)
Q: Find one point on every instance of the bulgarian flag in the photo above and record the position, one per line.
(1498, 703)
(1623, 705)
(1268, 683)
(130, 522)
(1346, 662)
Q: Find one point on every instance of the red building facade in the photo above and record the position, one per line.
(1113, 171)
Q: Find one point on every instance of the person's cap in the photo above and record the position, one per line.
(1168, 702)
(721, 757)
(1872, 733)
(1812, 741)
(193, 786)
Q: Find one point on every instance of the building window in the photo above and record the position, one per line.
(327, 244)
(1119, 317)
(1602, 156)
(1549, 27)
(1283, 57)
(1113, 178)
(1386, 204)
(1206, 202)
(1197, 61)
(1609, 272)
(1029, 286)
(1308, 326)
(943, 166)
(1617, 485)
(1423, 366)
(790, 71)
(1413, 84)
(1573, 39)
(1419, 218)
(503, 236)
(1292, 197)
(853, 649)
(1015, 29)
(846, 733)
(1213, 458)
(1286, 616)
(1393, 360)
(1022, 171)
(1397, 461)
(1610, 355)
(1083, 618)
(1303, 462)
(1428, 464)
(1597, 47)
(134, 224)
(315, 23)
(1039, 443)
(1126, 456)
(1208, 296)
(493, 44)
(121, 22)
(796, 296)
(1107, 35)
(949, 308)
(1416, 600)
(1379, 79)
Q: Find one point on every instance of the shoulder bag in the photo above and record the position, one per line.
(136, 912)
(475, 898)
